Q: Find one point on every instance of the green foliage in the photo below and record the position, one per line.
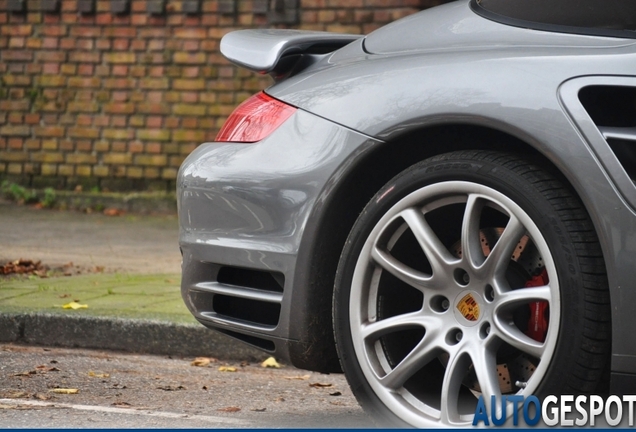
(17, 193)
(49, 198)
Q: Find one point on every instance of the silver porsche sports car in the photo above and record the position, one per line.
(442, 209)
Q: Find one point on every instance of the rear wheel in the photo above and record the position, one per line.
(471, 273)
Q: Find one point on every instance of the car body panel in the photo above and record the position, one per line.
(266, 200)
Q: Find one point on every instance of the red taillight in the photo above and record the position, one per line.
(255, 119)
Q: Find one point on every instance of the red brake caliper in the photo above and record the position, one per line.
(538, 323)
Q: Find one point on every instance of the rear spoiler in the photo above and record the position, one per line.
(280, 52)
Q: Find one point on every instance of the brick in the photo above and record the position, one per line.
(14, 156)
(48, 169)
(48, 157)
(87, 82)
(189, 58)
(101, 171)
(83, 170)
(120, 58)
(86, 69)
(190, 33)
(15, 130)
(83, 106)
(53, 30)
(153, 108)
(101, 146)
(87, 32)
(16, 80)
(151, 160)
(189, 109)
(14, 168)
(83, 133)
(188, 136)
(51, 68)
(80, 158)
(154, 83)
(85, 57)
(51, 56)
(118, 134)
(153, 135)
(66, 170)
(16, 30)
(17, 42)
(117, 158)
(120, 83)
(50, 144)
(188, 84)
(32, 119)
(68, 69)
(17, 55)
(119, 108)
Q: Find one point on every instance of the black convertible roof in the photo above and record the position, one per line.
(596, 17)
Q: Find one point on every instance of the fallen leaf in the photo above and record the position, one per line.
(200, 362)
(28, 373)
(64, 391)
(297, 377)
(113, 212)
(258, 409)
(121, 404)
(336, 393)
(227, 369)
(229, 409)
(270, 363)
(98, 375)
(318, 385)
(17, 395)
(339, 403)
(42, 396)
(279, 399)
(53, 362)
(64, 296)
(52, 369)
(171, 388)
(74, 305)
(7, 406)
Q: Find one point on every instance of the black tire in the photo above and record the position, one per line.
(580, 341)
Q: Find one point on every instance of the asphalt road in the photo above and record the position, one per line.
(143, 391)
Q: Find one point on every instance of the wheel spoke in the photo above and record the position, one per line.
(506, 300)
(471, 243)
(380, 328)
(456, 368)
(510, 334)
(499, 258)
(420, 356)
(437, 254)
(485, 366)
(400, 270)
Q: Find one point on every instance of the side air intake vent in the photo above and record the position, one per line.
(237, 297)
(613, 109)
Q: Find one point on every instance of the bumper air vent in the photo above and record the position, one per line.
(613, 110)
(237, 297)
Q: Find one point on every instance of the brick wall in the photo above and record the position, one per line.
(117, 101)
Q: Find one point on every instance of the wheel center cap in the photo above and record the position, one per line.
(468, 308)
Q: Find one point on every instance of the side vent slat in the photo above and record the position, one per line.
(241, 292)
(622, 133)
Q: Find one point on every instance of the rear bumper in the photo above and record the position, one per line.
(243, 212)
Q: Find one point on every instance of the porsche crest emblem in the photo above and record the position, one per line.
(469, 307)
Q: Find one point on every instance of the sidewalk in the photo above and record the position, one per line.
(125, 269)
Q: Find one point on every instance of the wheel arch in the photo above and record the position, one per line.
(347, 193)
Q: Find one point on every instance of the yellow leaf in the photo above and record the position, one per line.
(64, 391)
(297, 377)
(227, 369)
(74, 305)
(270, 363)
(200, 361)
(98, 375)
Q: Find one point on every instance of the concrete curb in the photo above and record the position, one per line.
(137, 336)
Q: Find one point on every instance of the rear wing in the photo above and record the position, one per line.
(280, 52)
